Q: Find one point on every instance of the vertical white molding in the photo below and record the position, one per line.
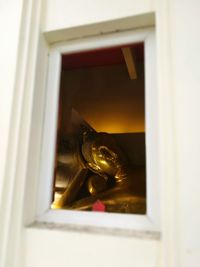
(10, 18)
(10, 22)
(152, 128)
(167, 137)
(36, 132)
(49, 133)
(16, 155)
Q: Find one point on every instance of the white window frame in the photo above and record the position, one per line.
(151, 220)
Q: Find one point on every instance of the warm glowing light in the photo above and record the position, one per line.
(115, 124)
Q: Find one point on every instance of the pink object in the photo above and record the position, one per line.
(98, 206)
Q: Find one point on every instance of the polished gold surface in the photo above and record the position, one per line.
(96, 184)
(115, 204)
(71, 190)
(92, 167)
(127, 196)
(104, 156)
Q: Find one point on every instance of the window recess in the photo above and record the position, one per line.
(100, 133)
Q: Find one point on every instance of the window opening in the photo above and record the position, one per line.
(100, 162)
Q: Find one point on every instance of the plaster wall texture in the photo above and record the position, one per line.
(179, 40)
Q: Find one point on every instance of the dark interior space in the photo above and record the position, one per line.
(100, 156)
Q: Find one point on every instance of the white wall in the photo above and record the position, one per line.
(178, 43)
(186, 84)
(70, 14)
(67, 248)
(10, 20)
(63, 19)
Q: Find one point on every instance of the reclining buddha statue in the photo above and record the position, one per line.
(104, 174)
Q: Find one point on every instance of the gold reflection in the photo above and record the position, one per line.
(113, 123)
(113, 127)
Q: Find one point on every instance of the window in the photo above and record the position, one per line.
(80, 104)
(100, 156)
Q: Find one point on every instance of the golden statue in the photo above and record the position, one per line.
(100, 171)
